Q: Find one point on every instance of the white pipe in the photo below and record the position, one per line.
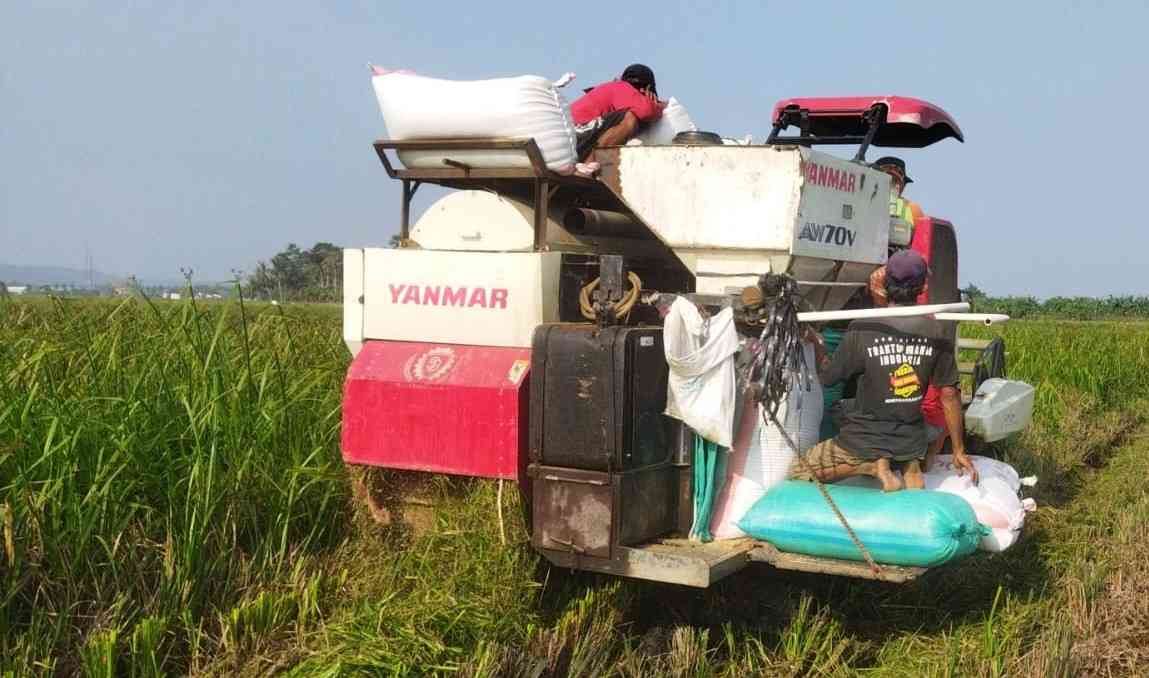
(828, 283)
(987, 318)
(892, 312)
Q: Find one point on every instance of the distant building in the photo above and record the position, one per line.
(174, 296)
(17, 289)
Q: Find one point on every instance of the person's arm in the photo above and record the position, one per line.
(951, 405)
(841, 366)
(878, 287)
(946, 378)
(646, 107)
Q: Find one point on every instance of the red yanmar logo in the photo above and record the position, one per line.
(830, 177)
(445, 295)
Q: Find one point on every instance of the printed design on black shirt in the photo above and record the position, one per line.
(904, 382)
(904, 355)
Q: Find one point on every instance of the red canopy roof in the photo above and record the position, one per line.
(910, 123)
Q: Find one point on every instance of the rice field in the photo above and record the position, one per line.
(172, 502)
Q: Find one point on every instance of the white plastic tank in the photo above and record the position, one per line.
(1000, 408)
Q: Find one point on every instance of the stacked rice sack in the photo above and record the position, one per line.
(674, 119)
(415, 107)
(761, 457)
(913, 528)
(995, 499)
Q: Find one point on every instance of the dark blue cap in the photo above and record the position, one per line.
(906, 267)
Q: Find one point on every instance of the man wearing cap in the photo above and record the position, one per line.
(901, 208)
(611, 113)
(897, 358)
(904, 213)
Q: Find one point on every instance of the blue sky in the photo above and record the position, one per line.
(210, 134)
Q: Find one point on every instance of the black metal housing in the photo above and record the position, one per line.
(597, 397)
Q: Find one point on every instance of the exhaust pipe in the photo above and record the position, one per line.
(585, 221)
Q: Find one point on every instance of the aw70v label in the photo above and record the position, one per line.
(828, 234)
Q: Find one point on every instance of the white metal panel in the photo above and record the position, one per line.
(352, 299)
(485, 158)
(475, 220)
(772, 199)
(481, 221)
(738, 197)
(844, 210)
(477, 298)
(726, 271)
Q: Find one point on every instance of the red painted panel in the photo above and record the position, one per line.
(915, 118)
(442, 408)
(923, 244)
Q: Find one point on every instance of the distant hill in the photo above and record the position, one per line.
(54, 275)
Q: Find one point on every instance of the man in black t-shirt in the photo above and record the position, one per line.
(897, 358)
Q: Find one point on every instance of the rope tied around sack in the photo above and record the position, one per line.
(777, 361)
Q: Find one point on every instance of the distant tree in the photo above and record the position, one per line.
(395, 241)
(315, 274)
(973, 292)
(290, 267)
(325, 263)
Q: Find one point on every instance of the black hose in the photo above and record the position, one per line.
(778, 356)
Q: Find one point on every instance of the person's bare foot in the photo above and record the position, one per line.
(914, 478)
(890, 480)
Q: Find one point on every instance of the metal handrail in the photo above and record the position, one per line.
(460, 170)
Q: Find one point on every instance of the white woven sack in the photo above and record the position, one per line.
(527, 106)
(994, 499)
(761, 457)
(700, 389)
(801, 415)
(674, 119)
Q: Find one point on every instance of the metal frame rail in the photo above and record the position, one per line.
(799, 117)
(454, 173)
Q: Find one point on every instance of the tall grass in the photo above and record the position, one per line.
(172, 502)
(1107, 362)
(154, 469)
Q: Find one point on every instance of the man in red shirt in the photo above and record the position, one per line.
(610, 114)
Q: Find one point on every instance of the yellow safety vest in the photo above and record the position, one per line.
(901, 219)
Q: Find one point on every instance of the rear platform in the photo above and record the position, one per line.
(688, 563)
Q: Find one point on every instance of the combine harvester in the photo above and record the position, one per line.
(474, 354)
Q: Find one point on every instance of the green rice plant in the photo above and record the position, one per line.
(253, 619)
(813, 642)
(146, 648)
(99, 654)
(172, 501)
(161, 455)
